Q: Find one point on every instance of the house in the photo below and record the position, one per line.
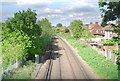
(85, 25)
(104, 33)
(96, 29)
(108, 32)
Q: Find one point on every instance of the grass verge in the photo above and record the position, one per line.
(102, 66)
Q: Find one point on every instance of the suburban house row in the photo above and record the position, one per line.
(102, 34)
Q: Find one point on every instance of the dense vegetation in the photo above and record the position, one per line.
(110, 10)
(23, 37)
(59, 25)
(78, 31)
(111, 42)
(47, 32)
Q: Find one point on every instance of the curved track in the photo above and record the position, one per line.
(62, 63)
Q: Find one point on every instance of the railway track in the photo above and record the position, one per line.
(71, 54)
(66, 66)
(49, 70)
(62, 44)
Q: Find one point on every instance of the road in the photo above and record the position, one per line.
(63, 62)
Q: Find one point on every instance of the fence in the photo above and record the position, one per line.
(107, 53)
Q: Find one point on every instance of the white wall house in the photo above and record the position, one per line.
(108, 32)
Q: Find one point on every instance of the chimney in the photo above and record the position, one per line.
(118, 23)
(96, 22)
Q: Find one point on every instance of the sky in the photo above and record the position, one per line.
(57, 11)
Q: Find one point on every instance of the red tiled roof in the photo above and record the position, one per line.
(95, 26)
(108, 27)
(97, 33)
(113, 35)
(96, 29)
(91, 26)
(111, 47)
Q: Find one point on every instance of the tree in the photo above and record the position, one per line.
(22, 34)
(46, 31)
(75, 28)
(86, 34)
(59, 25)
(111, 12)
(66, 30)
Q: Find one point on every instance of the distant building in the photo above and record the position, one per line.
(85, 25)
(96, 29)
(108, 32)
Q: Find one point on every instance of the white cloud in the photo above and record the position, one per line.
(63, 18)
(79, 7)
(66, 11)
(53, 16)
(74, 1)
(34, 3)
(48, 11)
(77, 14)
(70, 11)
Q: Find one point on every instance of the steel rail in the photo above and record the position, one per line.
(76, 59)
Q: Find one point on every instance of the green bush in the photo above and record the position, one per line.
(110, 42)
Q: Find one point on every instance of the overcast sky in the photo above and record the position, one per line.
(57, 11)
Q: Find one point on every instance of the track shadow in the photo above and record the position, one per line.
(52, 51)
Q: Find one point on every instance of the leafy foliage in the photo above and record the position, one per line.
(116, 52)
(110, 42)
(78, 31)
(22, 36)
(59, 25)
(19, 35)
(76, 28)
(67, 30)
(86, 33)
(46, 32)
(112, 12)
